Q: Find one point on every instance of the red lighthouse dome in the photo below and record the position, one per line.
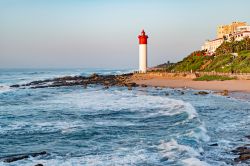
(143, 38)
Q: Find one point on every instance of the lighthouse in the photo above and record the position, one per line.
(143, 52)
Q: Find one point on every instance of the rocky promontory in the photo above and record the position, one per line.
(105, 80)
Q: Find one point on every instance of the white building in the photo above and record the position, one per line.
(238, 36)
(211, 45)
(243, 28)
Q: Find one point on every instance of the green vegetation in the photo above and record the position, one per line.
(213, 77)
(233, 46)
(192, 62)
(222, 61)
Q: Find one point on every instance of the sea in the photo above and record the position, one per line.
(150, 126)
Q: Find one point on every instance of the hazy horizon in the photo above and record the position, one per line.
(103, 34)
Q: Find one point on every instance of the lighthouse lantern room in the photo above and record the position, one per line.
(143, 52)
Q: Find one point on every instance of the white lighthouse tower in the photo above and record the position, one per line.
(143, 52)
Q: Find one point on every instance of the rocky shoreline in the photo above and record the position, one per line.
(105, 80)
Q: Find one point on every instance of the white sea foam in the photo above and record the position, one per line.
(172, 150)
(199, 133)
(117, 101)
(62, 126)
(120, 157)
(4, 88)
(177, 152)
(194, 162)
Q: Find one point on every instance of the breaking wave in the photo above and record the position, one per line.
(181, 154)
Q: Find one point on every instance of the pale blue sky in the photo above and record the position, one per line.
(103, 34)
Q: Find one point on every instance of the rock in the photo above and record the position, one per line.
(182, 93)
(129, 88)
(244, 153)
(13, 158)
(215, 144)
(225, 93)
(16, 158)
(244, 157)
(15, 86)
(238, 150)
(132, 84)
(166, 94)
(38, 165)
(106, 87)
(93, 75)
(248, 136)
(164, 159)
(106, 80)
(143, 85)
(36, 82)
(201, 93)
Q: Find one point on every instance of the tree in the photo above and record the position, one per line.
(232, 39)
(247, 42)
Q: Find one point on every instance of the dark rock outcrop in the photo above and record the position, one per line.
(214, 144)
(15, 86)
(166, 94)
(223, 93)
(244, 157)
(201, 93)
(12, 158)
(243, 152)
(105, 80)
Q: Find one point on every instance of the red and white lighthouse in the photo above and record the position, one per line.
(143, 52)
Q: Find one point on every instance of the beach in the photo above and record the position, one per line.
(182, 82)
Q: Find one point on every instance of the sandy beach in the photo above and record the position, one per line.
(230, 85)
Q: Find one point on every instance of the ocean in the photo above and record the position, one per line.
(111, 127)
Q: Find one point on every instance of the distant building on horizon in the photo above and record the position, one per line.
(236, 30)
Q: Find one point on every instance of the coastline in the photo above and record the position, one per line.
(182, 82)
(160, 103)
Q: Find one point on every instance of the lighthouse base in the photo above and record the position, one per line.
(142, 58)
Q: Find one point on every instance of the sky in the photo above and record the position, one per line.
(103, 33)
